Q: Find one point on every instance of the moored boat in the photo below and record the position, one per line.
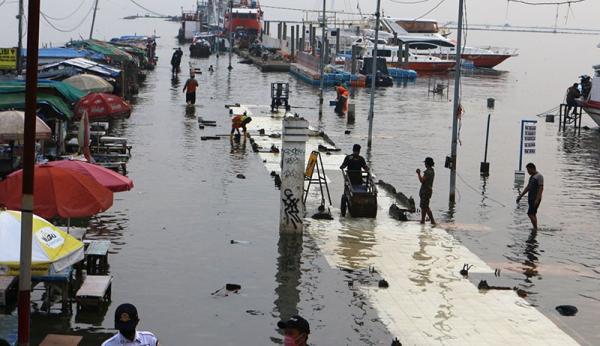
(591, 105)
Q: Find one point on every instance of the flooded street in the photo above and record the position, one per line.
(172, 234)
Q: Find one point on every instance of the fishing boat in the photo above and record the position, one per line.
(244, 20)
(591, 105)
(424, 37)
(208, 16)
(200, 47)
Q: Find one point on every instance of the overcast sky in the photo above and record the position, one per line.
(585, 14)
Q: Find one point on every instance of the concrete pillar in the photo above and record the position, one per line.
(337, 41)
(279, 31)
(311, 38)
(293, 42)
(285, 31)
(302, 45)
(293, 152)
(351, 113)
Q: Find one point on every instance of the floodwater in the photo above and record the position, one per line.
(171, 234)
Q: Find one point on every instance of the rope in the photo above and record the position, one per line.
(47, 20)
(147, 9)
(409, 2)
(546, 3)
(430, 11)
(69, 15)
(477, 191)
(305, 10)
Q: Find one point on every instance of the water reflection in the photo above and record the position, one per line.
(288, 275)
(356, 242)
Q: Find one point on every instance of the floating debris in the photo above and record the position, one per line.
(347, 132)
(206, 138)
(383, 284)
(465, 270)
(396, 342)
(240, 176)
(567, 310)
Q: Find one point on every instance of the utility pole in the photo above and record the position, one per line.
(230, 33)
(20, 40)
(24, 300)
(456, 107)
(322, 52)
(373, 76)
(94, 19)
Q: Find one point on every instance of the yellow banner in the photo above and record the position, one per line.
(8, 58)
(312, 162)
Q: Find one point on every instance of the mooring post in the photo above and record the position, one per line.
(303, 42)
(285, 31)
(351, 113)
(293, 152)
(484, 168)
(293, 42)
(313, 41)
(279, 31)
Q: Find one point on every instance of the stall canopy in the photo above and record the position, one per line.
(112, 52)
(73, 67)
(52, 55)
(12, 127)
(50, 106)
(67, 92)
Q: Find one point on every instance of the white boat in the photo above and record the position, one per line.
(423, 35)
(592, 105)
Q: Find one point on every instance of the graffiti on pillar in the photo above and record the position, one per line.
(290, 157)
(291, 209)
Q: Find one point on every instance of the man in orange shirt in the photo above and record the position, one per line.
(341, 106)
(190, 90)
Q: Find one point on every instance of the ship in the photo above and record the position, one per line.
(243, 20)
(207, 17)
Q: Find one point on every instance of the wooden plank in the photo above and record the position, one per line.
(61, 340)
(94, 286)
(6, 284)
(98, 248)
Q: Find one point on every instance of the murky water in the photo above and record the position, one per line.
(171, 234)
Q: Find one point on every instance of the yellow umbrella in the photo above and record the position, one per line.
(51, 247)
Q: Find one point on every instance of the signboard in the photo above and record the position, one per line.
(529, 133)
(528, 137)
(8, 58)
(312, 162)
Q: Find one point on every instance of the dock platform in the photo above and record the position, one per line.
(428, 302)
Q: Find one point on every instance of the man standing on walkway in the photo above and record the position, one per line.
(426, 190)
(190, 90)
(295, 331)
(534, 189)
(126, 321)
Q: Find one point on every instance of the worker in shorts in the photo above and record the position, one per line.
(190, 90)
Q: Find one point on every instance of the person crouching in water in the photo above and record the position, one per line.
(341, 106)
(240, 121)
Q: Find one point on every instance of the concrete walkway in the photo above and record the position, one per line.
(428, 302)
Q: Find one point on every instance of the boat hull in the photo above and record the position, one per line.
(592, 108)
(486, 60)
(425, 66)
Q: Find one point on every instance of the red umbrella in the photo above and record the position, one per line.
(102, 106)
(112, 180)
(58, 192)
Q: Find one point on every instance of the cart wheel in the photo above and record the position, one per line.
(344, 204)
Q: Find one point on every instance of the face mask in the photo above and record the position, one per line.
(289, 341)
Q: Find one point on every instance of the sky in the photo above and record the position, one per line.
(584, 14)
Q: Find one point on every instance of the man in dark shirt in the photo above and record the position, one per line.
(426, 190)
(355, 164)
(534, 188)
(572, 94)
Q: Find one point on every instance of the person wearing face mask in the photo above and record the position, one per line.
(126, 321)
(295, 331)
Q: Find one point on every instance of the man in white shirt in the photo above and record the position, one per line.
(126, 321)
